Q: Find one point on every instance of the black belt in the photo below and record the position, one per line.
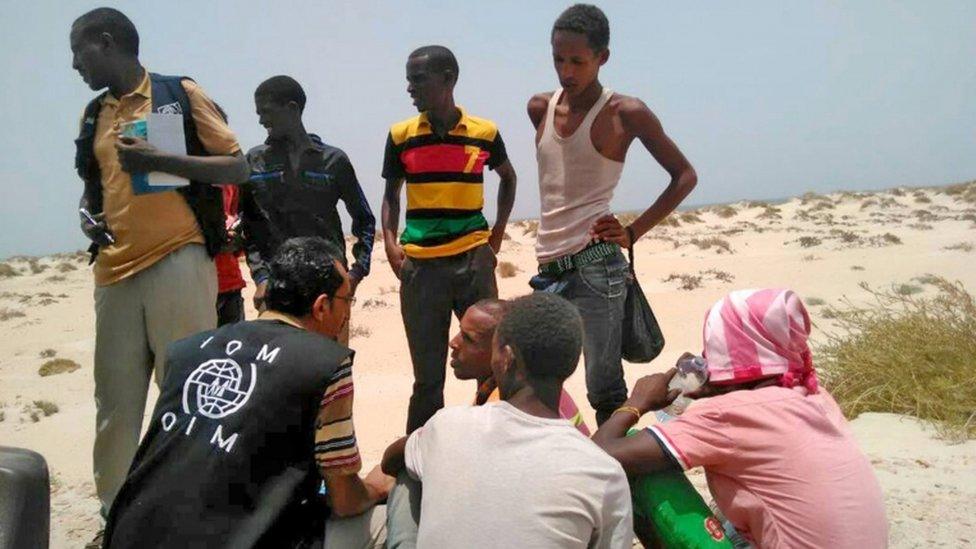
(594, 252)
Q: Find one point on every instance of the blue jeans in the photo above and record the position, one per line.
(598, 290)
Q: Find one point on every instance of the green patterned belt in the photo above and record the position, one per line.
(594, 252)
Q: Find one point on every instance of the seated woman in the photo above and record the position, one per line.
(778, 455)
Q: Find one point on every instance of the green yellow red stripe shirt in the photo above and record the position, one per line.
(445, 182)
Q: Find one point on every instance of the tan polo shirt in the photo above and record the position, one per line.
(147, 227)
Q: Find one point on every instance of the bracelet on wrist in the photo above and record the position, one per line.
(629, 410)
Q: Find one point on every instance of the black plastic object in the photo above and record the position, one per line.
(642, 339)
(25, 500)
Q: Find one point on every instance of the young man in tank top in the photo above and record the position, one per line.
(583, 131)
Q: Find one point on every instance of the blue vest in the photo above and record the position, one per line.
(205, 200)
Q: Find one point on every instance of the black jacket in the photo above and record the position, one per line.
(278, 203)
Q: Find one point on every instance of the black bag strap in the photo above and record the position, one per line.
(630, 250)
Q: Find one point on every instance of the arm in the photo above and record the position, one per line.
(349, 495)
(537, 108)
(638, 121)
(638, 454)
(363, 222)
(226, 165)
(394, 458)
(137, 155)
(506, 199)
(252, 252)
(390, 219)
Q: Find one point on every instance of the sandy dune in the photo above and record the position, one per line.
(821, 246)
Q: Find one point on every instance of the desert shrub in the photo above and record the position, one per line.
(814, 301)
(847, 237)
(857, 268)
(7, 314)
(689, 217)
(719, 275)
(868, 203)
(66, 267)
(757, 204)
(809, 241)
(770, 212)
(726, 212)
(811, 257)
(7, 270)
(375, 303)
(720, 244)
(56, 278)
(921, 226)
(669, 221)
(906, 289)
(906, 355)
(47, 353)
(686, 281)
(962, 247)
(922, 199)
(36, 267)
(359, 331)
(46, 407)
(58, 366)
(507, 269)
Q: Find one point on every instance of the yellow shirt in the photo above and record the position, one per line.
(147, 227)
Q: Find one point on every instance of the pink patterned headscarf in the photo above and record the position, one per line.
(751, 334)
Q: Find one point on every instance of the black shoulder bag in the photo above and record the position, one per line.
(642, 339)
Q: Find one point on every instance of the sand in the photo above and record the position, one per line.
(822, 247)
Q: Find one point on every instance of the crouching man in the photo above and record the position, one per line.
(513, 473)
(248, 417)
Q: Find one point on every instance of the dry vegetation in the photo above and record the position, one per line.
(58, 366)
(7, 314)
(721, 245)
(7, 270)
(507, 269)
(906, 354)
(809, 241)
(359, 331)
(962, 247)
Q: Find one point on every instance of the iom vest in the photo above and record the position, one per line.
(204, 199)
(229, 456)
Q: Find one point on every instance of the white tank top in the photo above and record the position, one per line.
(576, 184)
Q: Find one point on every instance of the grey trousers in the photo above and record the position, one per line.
(430, 290)
(135, 319)
(403, 513)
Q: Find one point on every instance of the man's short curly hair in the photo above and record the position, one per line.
(281, 89)
(92, 24)
(587, 20)
(302, 269)
(545, 333)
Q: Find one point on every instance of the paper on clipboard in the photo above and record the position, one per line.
(165, 132)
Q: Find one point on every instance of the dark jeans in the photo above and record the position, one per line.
(430, 290)
(598, 290)
(230, 308)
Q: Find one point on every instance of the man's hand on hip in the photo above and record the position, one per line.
(395, 255)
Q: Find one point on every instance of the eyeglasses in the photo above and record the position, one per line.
(350, 298)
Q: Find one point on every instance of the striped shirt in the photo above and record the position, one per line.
(445, 177)
(336, 451)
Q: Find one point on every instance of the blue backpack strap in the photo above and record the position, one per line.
(206, 201)
(85, 163)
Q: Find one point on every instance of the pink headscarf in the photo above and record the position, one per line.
(751, 334)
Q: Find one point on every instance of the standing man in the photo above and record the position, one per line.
(249, 419)
(296, 182)
(155, 280)
(445, 259)
(583, 131)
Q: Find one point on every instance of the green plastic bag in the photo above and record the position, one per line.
(679, 517)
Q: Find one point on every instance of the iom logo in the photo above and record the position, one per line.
(216, 388)
(170, 108)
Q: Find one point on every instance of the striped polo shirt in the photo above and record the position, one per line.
(445, 182)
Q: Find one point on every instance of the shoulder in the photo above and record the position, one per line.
(330, 152)
(481, 128)
(631, 110)
(540, 101)
(403, 129)
(189, 345)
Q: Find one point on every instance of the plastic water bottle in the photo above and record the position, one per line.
(692, 374)
(738, 542)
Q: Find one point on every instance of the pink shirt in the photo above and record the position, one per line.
(783, 467)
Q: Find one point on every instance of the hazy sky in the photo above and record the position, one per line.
(767, 99)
